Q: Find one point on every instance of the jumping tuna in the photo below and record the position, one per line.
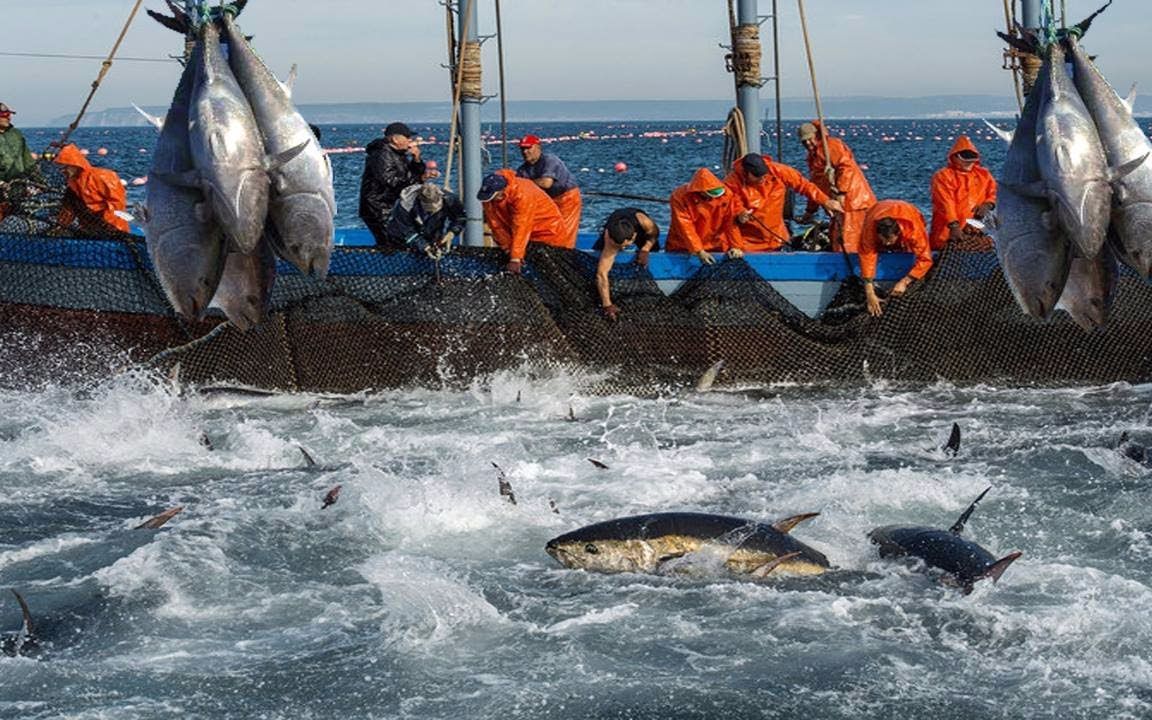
(652, 544)
(227, 149)
(1128, 149)
(303, 201)
(1033, 253)
(962, 562)
(185, 245)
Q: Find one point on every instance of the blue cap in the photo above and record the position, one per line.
(491, 185)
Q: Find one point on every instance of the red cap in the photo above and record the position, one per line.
(529, 141)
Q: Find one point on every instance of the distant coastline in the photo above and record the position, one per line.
(855, 107)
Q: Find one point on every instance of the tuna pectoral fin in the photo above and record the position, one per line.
(786, 525)
(997, 569)
(1005, 135)
(1115, 174)
(768, 567)
(275, 161)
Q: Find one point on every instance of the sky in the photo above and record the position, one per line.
(393, 50)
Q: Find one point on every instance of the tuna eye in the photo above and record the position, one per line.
(591, 549)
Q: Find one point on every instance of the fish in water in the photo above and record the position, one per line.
(597, 463)
(952, 447)
(184, 243)
(961, 561)
(24, 641)
(331, 498)
(708, 379)
(662, 542)
(1133, 450)
(158, 521)
(505, 485)
(302, 205)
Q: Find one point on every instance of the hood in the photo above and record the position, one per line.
(703, 181)
(962, 143)
(71, 155)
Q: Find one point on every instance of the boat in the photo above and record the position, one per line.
(74, 309)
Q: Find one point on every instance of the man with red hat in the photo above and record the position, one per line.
(15, 158)
(552, 176)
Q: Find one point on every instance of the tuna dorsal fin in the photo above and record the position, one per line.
(27, 632)
(996, 569)
(1130, 100)
(953, 445)
(771, 565)
(785, 526)
(1115, 174)
(1123, 438)
(958, 527)
(1005, 135)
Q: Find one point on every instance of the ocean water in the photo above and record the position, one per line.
(422, 593)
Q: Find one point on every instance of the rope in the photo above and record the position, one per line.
(735, 138)
(83, 57)
(828, 169)
(1011, 56)
(104, 68)
(746, 55)
(459, 85)
(471, 87)
(503, 93)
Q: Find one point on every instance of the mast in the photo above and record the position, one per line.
(747, 65)
(1029, 64)
(471, 97)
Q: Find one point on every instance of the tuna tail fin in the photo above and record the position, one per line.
(958, 527)
(1082, 27)
(996, 569)
(953, 445)
(785, 526)
(771, 565)
(1026, 43)
(1005, 135)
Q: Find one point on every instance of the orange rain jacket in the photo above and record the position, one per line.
(956, 193)
(700, 222)
(858, 195)
(913, 237)
(570, 203)
(99, 189)
(524, 214)
(766, 201)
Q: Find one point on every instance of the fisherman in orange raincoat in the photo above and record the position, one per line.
(850, 182)
(551, 174)
(519, 212)
(98, 189)
(760, 186)
(704, 218)
(962, 191)
(893, 226)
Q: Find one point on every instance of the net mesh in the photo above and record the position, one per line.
(82, 301)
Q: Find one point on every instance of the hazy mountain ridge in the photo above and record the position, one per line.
(857, 107)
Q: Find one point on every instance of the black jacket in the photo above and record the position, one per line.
(386, 173)
(409, 225)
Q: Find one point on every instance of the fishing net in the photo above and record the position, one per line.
(82, 302)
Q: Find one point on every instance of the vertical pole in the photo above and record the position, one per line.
(1030, 13)
(1029, 64)
(473, 169)
(776, 81)
(748, 96)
